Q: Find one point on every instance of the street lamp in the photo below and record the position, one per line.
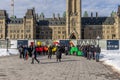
(98, 38)
(7, 39)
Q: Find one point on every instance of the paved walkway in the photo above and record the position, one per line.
(71, 68)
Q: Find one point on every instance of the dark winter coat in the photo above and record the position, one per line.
(59, 53)
(98, 49)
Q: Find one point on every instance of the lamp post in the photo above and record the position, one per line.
(7, 39)
(98, 38)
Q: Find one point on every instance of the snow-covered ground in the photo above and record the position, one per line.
(112, 58)
(109, 57)
(4, 52)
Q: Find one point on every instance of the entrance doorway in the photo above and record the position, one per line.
(73, 36)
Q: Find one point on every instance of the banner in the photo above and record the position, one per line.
(64, 42)
(112, 44)
(13, 44)
(22, 42)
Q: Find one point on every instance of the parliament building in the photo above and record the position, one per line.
(72, 26)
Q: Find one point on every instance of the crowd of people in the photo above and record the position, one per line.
(34, 51)
(91, 52)
(88, 51)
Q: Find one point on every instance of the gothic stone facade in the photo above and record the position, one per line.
(73, 26)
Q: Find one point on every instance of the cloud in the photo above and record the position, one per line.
(48, 7)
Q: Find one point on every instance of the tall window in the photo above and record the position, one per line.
(1, 35)
(21, 36)
(73, 22)
(17, 35)
(29, 36)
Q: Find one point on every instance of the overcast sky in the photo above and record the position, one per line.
(48, 7)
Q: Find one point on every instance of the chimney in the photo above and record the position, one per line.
(34, 11)
(91, 14)
(53, 15)
(96, 14)
(58, 16)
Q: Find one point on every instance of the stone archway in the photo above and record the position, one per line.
(72, 36)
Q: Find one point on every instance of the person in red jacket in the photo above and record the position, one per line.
(40, 49)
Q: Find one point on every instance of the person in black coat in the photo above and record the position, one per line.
(98, 51)
(50, 52)
(59, 54)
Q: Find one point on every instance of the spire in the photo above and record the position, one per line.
(118, 10)
(12, 8)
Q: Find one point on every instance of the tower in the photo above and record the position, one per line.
(12, 8)
(73, 19)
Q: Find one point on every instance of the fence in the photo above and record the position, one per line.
(104, 44)
(3, 44)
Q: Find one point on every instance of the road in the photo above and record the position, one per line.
(71, 68)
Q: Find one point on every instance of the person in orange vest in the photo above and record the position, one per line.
(45, 50)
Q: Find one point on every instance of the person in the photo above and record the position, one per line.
(66, 50)
(50, 52)
(98, 51)
(21, 51)
(25, 48)
(34, 56)
(59, 54)
(45, 50)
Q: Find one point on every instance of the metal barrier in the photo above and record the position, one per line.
(4, 44)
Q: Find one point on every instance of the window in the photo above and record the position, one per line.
(29, 36)
(25, 36)
(59, 32)
(42, 32)
(21, 36)
(10, 36)
(17, 31)
(63, 32)
(21, 30)
(73, 22)
(1, 35)
(63, 37)
(14, 36)
(50, 32)
(17, 35)
(47, 32)
(58, 37)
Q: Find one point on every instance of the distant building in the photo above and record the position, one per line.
(73, 26)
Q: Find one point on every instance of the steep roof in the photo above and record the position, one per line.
(85, 21)
(51, 21)
(98, 20)
(15, 21)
